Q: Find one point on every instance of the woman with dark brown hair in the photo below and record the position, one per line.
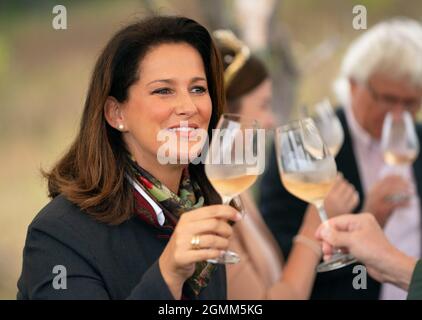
(121, 223)
(262, 272)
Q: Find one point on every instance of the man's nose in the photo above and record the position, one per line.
(399, 107)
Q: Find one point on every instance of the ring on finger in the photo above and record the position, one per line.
(195, 242)
(396, 198)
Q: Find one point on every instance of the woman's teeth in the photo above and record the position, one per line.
(184, 132)
(182, 129)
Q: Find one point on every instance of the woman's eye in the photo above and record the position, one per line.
(162, 91)
(199, 89)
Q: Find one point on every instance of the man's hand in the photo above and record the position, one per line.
(361, 235)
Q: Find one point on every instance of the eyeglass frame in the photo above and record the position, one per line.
(388, 101)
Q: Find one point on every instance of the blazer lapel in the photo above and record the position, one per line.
(346, 160)
(417, 171)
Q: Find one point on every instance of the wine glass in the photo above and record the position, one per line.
(234, 161)
(399, 144)
(308, 170)
(399, 141)
(328, 124)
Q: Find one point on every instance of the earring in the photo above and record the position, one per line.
(121, 127)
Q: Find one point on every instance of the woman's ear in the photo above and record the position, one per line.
(113, 114)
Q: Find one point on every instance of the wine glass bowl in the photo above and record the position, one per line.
(400, 147)
(328, 124)
(399, 141)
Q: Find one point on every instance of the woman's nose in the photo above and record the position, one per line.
(185, 105)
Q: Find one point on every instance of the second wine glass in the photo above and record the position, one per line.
(308, 171)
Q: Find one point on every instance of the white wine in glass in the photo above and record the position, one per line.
(234, 161)
(307, 187)
(400, 145)
(400, 158)
(308, 171)
(399, 141)
(230, 186)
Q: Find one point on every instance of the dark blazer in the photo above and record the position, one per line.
(102, 261)
(283, 213)
(415, 287)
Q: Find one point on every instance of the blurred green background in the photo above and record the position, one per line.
(44, 74)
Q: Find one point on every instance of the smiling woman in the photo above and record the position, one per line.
(122, 225)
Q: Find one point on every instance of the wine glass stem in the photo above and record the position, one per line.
(321, 211)
(226, 200)
(324, 217)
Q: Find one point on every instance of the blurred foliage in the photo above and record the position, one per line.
(4, 57)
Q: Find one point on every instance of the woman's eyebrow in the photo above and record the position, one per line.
(194, 79)
(169, 81)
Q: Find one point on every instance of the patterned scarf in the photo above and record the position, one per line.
(173, 206)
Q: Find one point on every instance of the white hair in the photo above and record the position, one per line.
(392, 47)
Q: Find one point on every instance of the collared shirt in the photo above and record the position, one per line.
(403, 228)
(158, 211)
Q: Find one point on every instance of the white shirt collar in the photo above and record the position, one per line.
(356, 129)
(158, 211)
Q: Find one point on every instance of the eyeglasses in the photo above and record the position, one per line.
(389, 101)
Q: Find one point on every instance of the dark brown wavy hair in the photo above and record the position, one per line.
(92, 173)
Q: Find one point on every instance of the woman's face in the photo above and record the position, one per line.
(170, 96)
(257, 105)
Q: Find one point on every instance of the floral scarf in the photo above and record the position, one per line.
(173, 206)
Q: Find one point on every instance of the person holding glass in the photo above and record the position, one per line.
(381, 74)
(262, 272)
(124, 222)
(362, 236)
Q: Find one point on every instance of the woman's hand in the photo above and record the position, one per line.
(210, 225)
(342, 198)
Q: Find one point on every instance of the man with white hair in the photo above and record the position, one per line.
(381, 72)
